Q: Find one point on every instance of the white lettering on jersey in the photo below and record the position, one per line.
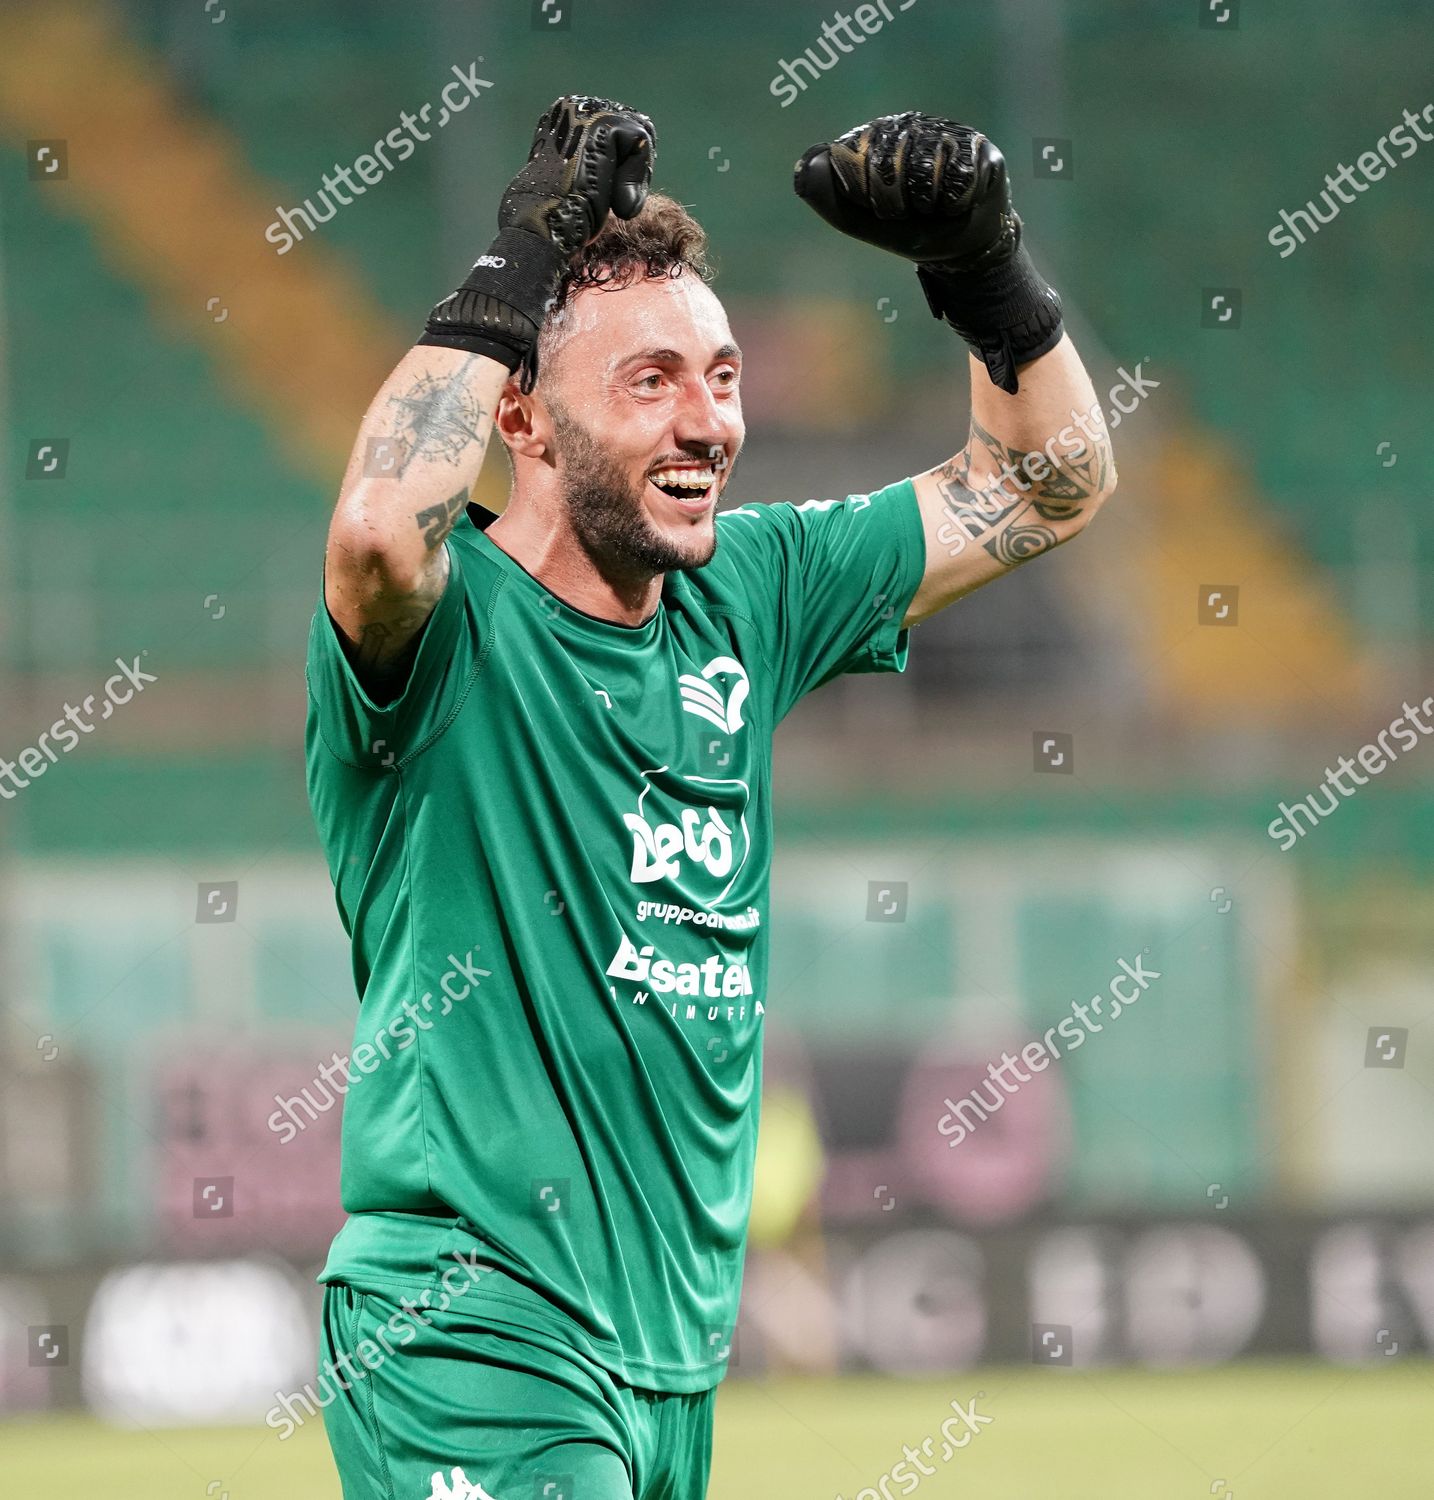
(653, 848)
(670, 836)
(712, 977)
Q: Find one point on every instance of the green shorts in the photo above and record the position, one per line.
(437, 1407)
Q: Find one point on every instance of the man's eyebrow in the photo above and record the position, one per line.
(673, 356)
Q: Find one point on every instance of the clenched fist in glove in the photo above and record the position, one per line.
(935, 192)
(588, 156)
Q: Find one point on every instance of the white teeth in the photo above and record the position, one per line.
(693, 479)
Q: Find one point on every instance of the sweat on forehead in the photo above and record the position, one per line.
(602, 326)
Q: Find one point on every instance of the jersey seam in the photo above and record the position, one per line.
(876, 649)
(915, 559)
(360, 1303)
(484, 648)
(879, 647)
(628, 1367)
(353, 765)
(400, 766)
(413, 982)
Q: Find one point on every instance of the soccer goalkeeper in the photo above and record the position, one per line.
(539, 749)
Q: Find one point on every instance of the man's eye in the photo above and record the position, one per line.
(727, 377)
(647, 381)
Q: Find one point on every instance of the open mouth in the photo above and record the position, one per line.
(693, 489)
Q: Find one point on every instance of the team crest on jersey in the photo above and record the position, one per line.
(709, 699)
(690, 831)
(457, 1486)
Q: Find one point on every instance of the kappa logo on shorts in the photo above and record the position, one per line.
(702, 697)
(457, 1486)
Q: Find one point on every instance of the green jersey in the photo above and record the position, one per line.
(551, 854)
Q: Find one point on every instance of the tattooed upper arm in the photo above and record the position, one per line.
(437, 417)
(993, 507)
(436, 521)
(383, 652)
(383, 640)
(386, 563)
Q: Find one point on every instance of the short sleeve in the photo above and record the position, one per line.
(381, 736)
(829, 583)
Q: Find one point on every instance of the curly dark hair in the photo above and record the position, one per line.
(661, 239)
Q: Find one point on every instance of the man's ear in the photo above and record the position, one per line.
(523, 423)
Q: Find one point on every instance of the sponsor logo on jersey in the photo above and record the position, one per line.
(457, 1486)
(671, 911)
(708, 700)
(714, 977)
(689, 841)
(655, 850)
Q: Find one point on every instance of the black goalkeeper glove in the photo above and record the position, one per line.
(588, 156)
(936, 193)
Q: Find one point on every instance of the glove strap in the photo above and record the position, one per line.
(499, 309)
(1006, 313)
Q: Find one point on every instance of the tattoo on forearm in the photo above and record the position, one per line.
(1006, 512)
(438, 520)
(437, 418)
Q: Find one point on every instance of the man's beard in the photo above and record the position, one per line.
(607, 513)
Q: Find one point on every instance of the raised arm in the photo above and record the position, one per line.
(418, 451)
(1037, 467)
(1039, 462)
(423, 440)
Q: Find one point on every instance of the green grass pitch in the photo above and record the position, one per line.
(1254, 1432)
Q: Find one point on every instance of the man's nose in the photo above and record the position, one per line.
(701, 419)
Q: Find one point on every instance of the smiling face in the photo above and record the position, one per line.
(638, 400)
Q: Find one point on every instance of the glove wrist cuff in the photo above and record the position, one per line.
(1006, 313)
(499, 309)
